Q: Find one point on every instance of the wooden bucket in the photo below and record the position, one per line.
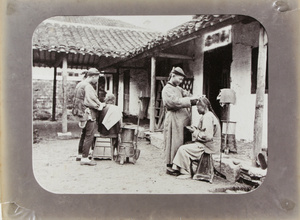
(127, 135)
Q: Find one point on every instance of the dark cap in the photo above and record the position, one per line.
(93, 72)
(178, 71)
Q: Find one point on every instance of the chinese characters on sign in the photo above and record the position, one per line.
(218, 38)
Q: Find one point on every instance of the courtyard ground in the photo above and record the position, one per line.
(56, 170)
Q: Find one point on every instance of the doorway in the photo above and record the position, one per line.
(217, 63)
(126, 81)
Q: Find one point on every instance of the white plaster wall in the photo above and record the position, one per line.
(139, 86)
(47, 73)
(196, 67)
(243, 111)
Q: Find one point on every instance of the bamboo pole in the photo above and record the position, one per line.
(64, 93)
(260, 92)
(54, 95)
(152, 94)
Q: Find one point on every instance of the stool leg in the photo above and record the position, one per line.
(122, 160)
(93, 147)
(211, 169)
(112, 147)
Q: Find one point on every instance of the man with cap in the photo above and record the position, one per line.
(177, 102)
(85, 107)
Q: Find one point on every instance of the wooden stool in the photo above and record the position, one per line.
(205, 168)
(103, 147)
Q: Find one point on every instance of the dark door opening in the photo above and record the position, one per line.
(126, 81)
(216, 70)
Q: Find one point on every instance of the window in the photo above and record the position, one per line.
(254, 71)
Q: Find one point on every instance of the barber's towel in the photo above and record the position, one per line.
(113, 115)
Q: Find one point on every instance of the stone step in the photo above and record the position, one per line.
(156, 139)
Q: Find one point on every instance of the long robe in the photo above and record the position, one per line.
(177, 104)
(207, 139)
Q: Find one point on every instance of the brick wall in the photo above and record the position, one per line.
(43, 91)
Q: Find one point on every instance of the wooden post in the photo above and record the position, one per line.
(152, 94)
(116, 85)
(54, 95)
(64, 93)
(260, 93)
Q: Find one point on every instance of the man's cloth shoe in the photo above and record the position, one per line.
(78, 158)
(86, 161)
(172, 172)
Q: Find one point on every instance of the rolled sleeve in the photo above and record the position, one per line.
(174, 102)
(91, 100)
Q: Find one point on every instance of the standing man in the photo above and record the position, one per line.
(85, 107)
(176, 101)
(80, 96)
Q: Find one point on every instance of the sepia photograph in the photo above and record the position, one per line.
(149, 109)
(150, 104)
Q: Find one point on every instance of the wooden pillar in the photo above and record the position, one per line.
(116, 85)
(54, 95)
(64, 94)
(260, 93)
(152, 94)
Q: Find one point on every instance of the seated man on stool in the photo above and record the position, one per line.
(207, 139)
(110, 119)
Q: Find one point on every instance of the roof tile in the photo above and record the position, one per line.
(90, 35)
(71, 35)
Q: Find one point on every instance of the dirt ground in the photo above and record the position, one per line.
(56, 170)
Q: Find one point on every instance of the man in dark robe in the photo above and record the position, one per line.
(177, 102)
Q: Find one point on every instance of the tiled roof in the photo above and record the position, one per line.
(95, 36)
(196, 24)
(94, 20)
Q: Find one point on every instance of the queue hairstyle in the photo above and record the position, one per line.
(203, 101)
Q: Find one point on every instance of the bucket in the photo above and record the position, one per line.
(127, 134)
(231, 127)
(126, 149)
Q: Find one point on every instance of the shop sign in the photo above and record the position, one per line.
(218, 38)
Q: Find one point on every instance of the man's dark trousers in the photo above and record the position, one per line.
(89, 137)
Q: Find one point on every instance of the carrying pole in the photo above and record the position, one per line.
(138, 122)
(226, 150)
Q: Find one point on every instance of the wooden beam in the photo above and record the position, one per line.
(174, 56)
(64, 93)
(132, 67)
(107, 72)
(108, 62)
(54, 95)
(86, 59)
(152, 94)
(162, 78)
(157, 49)
(59, 59)
(260, 93)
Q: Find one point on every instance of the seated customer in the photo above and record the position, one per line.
(110, 119)
(207, 139)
